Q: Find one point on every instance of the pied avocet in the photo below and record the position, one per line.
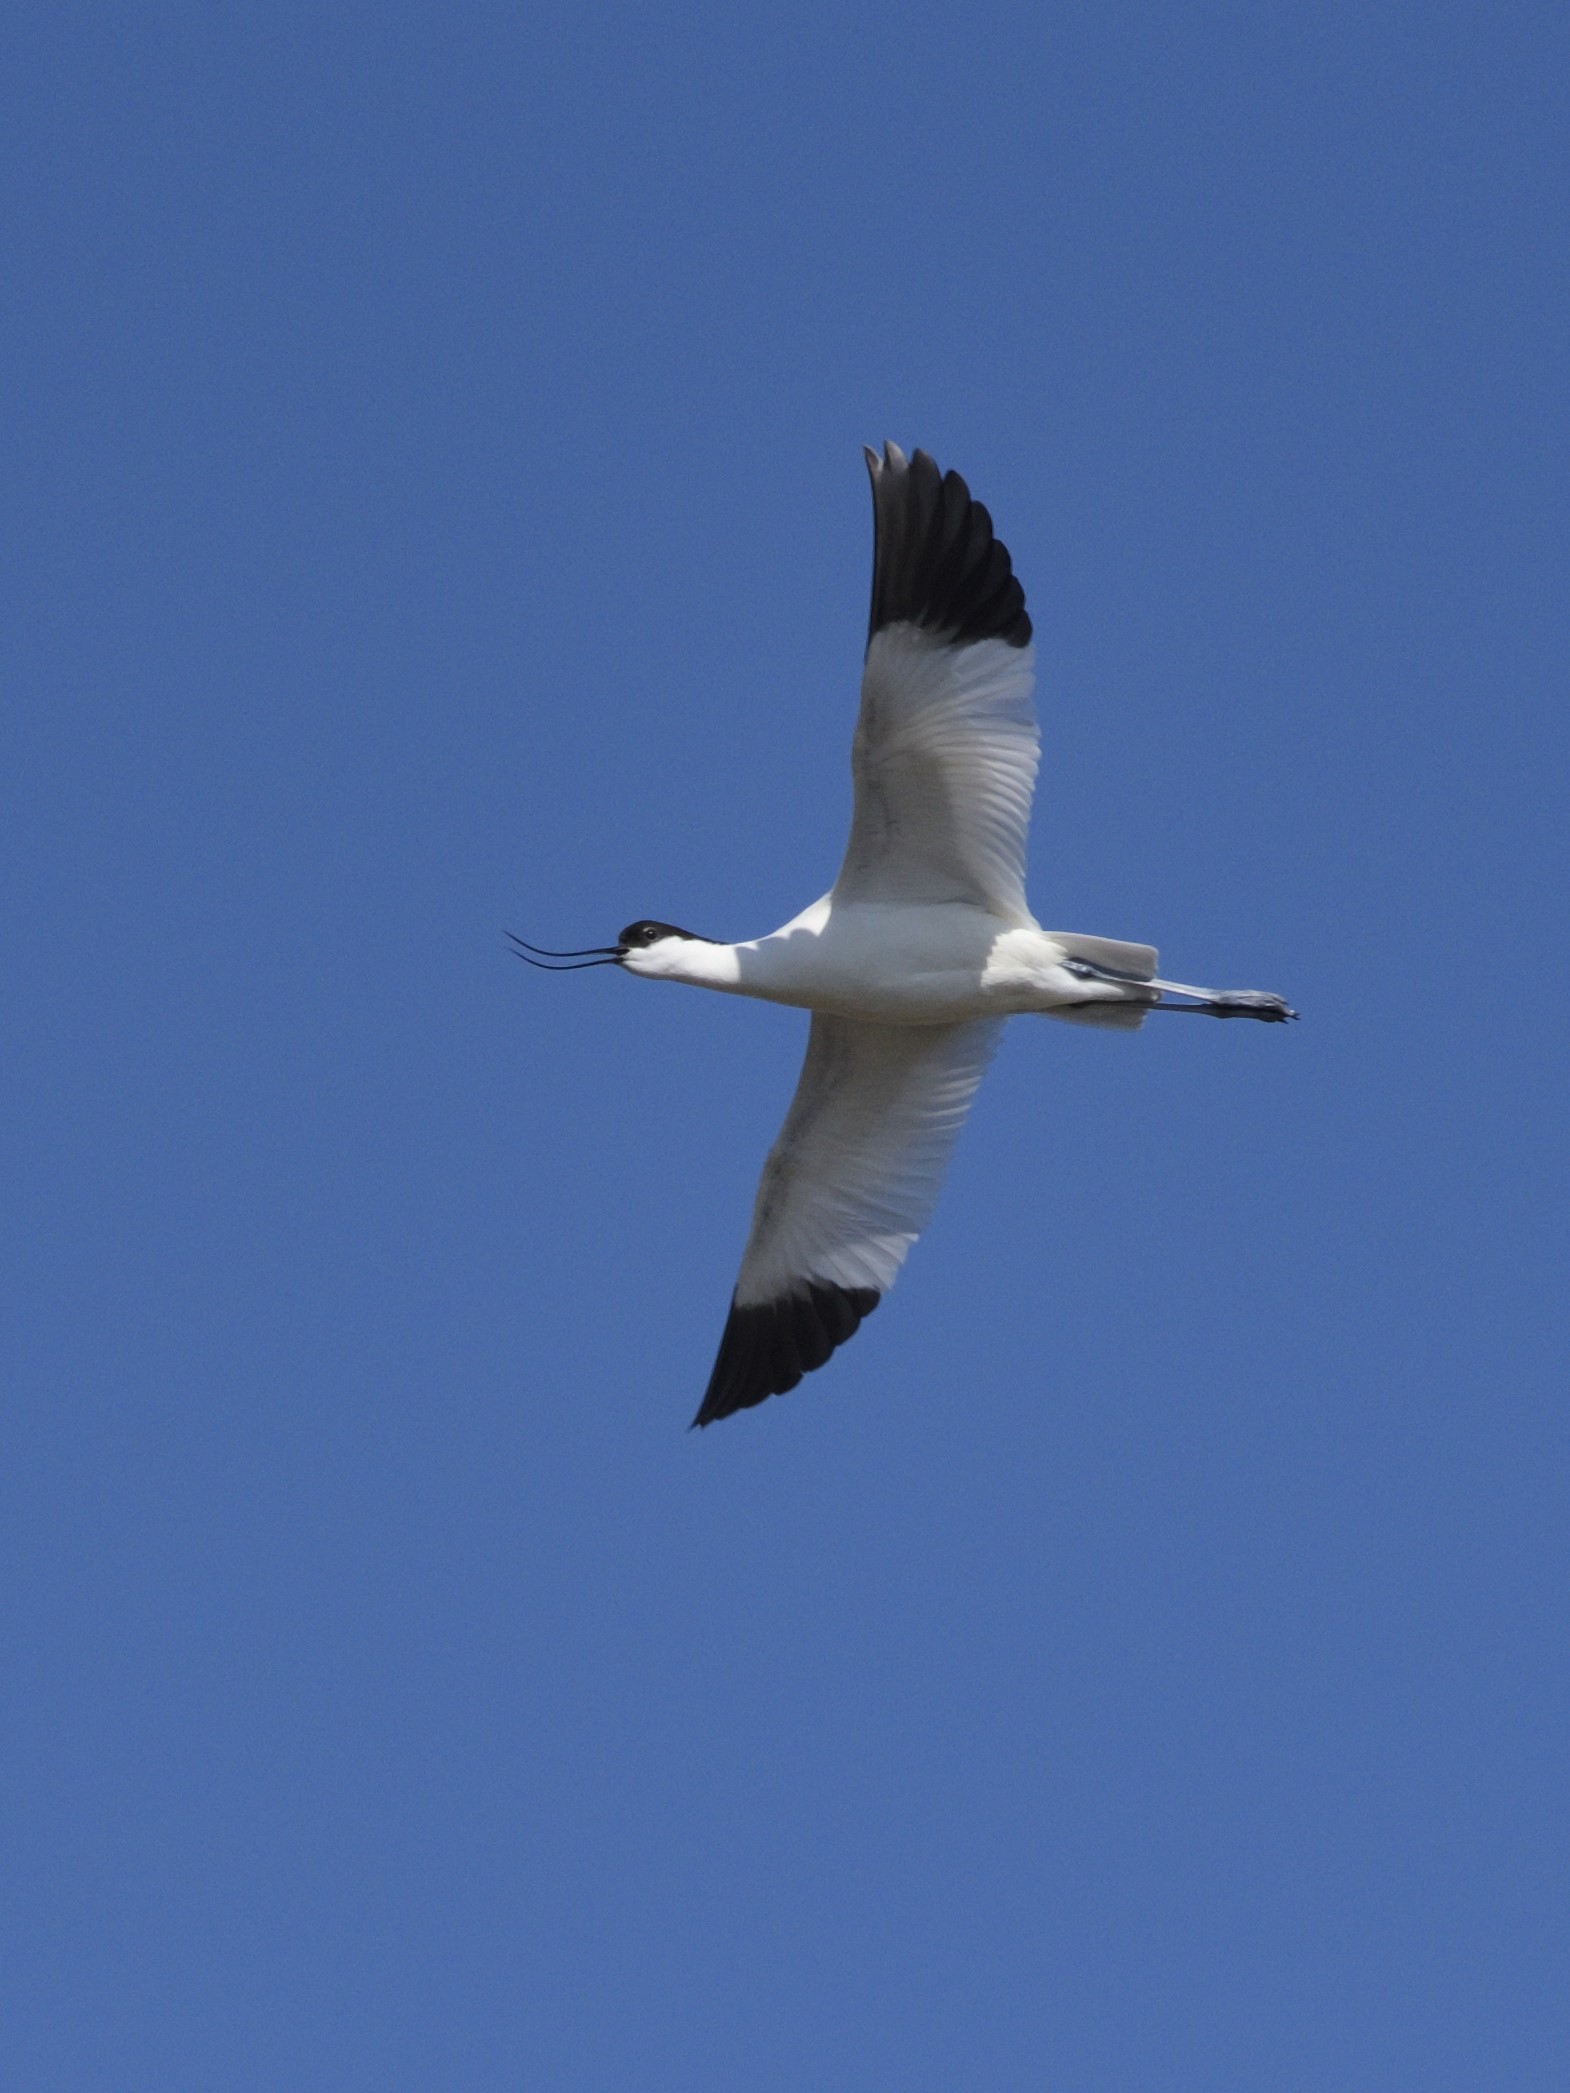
(922, 947)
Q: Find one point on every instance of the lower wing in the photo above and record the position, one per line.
(847, 1188)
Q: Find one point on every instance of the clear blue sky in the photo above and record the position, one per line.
(432, 506)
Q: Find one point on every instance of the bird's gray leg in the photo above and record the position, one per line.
(1227, 1002)
(1207, 1002)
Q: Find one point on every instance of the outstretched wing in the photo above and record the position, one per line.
(946, 747)
(847, 1188)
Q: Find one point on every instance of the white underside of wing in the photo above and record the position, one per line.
(944, 764)
(854, 1175)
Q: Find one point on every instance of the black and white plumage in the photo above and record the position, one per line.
(847, 1188)
(916, 955)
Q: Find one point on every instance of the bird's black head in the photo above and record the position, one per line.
(639, 935)
(636, 938)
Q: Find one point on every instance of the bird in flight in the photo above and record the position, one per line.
(916, 955)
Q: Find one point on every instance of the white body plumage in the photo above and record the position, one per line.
(941, 963)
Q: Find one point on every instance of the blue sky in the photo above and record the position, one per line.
(432, 508)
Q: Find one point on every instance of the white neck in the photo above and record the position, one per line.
(689, 959)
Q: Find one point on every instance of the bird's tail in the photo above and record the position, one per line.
(1137, 961)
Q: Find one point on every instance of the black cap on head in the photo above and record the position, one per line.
(648, 932)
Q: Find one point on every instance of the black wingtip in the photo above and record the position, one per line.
(767, 1348)
(936, 562)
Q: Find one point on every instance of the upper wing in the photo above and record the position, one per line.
(847, 1188)
(946, 747)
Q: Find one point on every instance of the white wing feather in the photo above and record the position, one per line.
(944, 763)
(852, 1180)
